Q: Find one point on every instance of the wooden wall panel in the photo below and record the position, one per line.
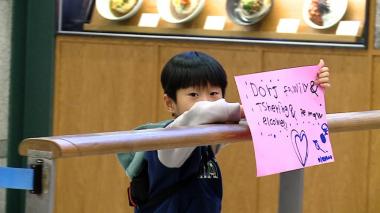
(95, 184)
(348, 72)
(98, 83)
(374, 160)
(347, 177)
(129, 98)
(101, 85)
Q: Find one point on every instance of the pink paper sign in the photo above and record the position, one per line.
(286, 114)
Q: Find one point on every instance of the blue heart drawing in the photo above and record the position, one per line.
(300, 145)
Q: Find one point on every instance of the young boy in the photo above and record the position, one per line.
(189, 179)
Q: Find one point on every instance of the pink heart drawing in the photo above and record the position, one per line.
(300, 145)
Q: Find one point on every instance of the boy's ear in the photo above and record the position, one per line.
(169, 103)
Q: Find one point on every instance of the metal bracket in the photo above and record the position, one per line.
(37, 177)
(40, 154)
(41, 198)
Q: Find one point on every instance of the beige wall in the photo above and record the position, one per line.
(5, 23)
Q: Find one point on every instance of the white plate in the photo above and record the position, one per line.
(104, 9)
(337, 10)
(234, 13)
(163, 7)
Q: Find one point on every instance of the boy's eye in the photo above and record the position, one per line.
(214, 93)
(193, 94)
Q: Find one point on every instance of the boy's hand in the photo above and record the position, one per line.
(323, 75)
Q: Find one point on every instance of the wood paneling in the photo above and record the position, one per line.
(374, 151)
(91, 184)
(373, 183)
(102, 84)
(97, 83)
(351, 157)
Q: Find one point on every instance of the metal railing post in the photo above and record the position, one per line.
(291, 191)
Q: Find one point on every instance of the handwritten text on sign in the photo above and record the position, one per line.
(285, 110)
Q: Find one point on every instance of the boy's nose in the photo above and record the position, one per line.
(205, 97)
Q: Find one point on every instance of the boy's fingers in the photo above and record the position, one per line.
(324, 69)
(323, 80)
(323, 74)
(325, 85)
(321, 63)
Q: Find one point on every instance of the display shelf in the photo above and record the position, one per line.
(266, 29)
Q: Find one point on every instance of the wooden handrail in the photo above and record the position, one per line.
(142, 140)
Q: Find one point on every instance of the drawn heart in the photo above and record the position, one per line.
(300, 145)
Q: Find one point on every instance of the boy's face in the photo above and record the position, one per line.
(187, 97)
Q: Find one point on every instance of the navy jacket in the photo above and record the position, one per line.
(201, 190)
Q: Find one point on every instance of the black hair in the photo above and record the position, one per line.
(192, 69)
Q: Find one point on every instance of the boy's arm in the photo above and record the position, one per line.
(203, 112)
(132, 161)
(208, 112)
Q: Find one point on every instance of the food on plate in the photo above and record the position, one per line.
(248, 8)
(182, 8)
(122, 7)
(317, 9)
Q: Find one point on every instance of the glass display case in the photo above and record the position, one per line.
(341, 23)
